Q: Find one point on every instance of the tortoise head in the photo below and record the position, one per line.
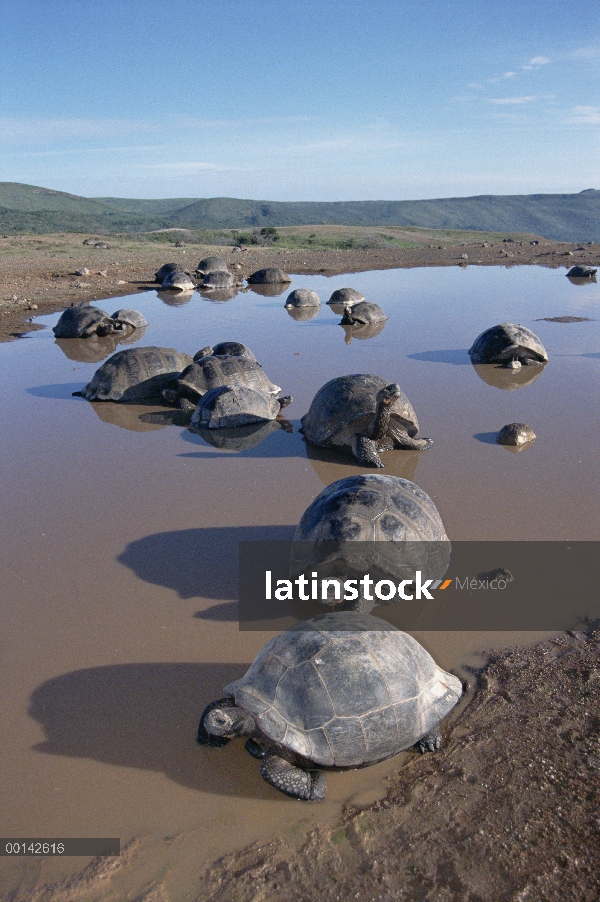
(204, 352)
(227, 722)
(388, 394)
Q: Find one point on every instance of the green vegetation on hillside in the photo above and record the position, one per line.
(560, 217)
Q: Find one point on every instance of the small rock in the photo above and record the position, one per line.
(102, 272)
(121, 282)
(464, 256)
(515, 434)
(84, 271)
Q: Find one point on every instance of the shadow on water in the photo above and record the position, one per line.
(60, 390)
(197, 563)
(488, 438)
(224, 612)
(145, 716)
(458, 357)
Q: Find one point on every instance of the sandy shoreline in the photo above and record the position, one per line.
(39, 272)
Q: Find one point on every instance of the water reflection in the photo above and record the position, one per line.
(272, 290)
(362, 330)
(88, 350)
(506, 379)
(175, 298)
(133, 417)
(330, 464)
(241, 438)
(582, 280)
(218, 294)
(302, 314)
(458, 357)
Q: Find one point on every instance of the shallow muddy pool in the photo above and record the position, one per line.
(120, 534)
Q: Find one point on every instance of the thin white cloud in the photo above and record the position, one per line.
(589, 115)
(509, 75)
(34, 131)
(585, 53)
(509, 101)
(539, 61)
(186, 167)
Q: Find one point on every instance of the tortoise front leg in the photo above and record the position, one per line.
(308, 785)
(365, 451)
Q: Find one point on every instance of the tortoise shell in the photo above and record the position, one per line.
(346, 406)
(217, 278)
(207, 373)
(506, 342)
(129, 317)
(80, 322)
(136, 374)
(270, 275)
(345, 690)
(165, 269)
(212, 264)
(177, 280)
(303, 297)
(229, 406)
(345, 297)
(364, 312)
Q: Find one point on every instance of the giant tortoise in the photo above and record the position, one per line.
(340, 690)
(363, 414)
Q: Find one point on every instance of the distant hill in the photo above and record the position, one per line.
(560, 217)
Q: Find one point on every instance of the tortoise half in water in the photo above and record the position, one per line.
(134, 375)
(340, 690)
(363, 414)
(509, 344)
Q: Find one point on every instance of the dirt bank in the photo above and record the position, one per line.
(39, 273)
(506, 811)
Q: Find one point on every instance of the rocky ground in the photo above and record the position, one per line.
(39, 273)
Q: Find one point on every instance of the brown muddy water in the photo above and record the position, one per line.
(119, 543)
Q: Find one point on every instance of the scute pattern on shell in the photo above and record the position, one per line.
(130, 317)
(303, 297)
(135, 374)
(348, 400)
(505, 341)
(229, 406)
(365, 312)
(78, 322)
(371, 508)
(166, 268)
(207, 373)
(345, 698)
(217, 278)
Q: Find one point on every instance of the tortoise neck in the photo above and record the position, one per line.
(382, 420)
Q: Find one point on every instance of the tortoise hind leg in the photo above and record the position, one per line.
(431, 742)
(403, 440)
(365, 451)
(308, 785)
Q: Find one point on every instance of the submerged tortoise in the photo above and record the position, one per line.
(363, 414)
(340, 690)
(581, 271)
(509, 344)
(207, 372)
(302, 297)
(385, 526)
(226, 349)
(83, 321)
(134, 375)
(230, 406)
(346, 297)
(165, 269)
(272, 275)
(178, 281)
(361, 313)
(128, 317)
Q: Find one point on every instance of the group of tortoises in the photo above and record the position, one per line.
(344, 689)
(212, 274)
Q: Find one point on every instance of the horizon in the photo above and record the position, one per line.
(301, 102)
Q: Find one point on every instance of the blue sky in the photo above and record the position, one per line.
(354, 100)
